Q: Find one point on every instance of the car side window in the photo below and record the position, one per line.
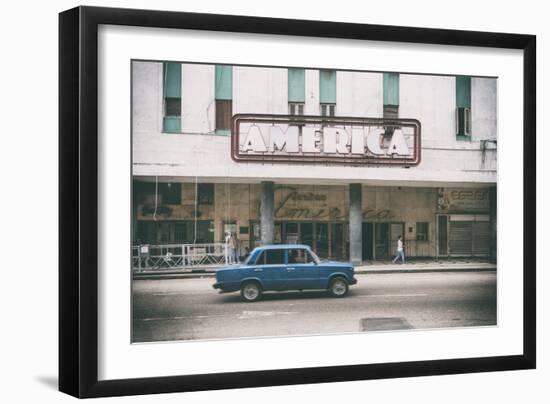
(299, 256)
(274, 257)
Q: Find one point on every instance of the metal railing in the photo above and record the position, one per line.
(147, 257)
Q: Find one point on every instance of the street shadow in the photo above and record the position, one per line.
(49, 381)
(287, 295)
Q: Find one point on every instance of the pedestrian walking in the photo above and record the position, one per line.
(400, 252)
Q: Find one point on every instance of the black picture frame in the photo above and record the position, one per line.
(78, 196)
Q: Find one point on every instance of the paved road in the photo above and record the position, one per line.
(180, 309)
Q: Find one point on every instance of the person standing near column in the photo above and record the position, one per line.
(232, 248)
(228, 253)
(236, 248)
(400, 252)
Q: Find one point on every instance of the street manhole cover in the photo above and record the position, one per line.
(384, 324)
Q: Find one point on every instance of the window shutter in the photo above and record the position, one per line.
(172, 80)
(327, 86)
(296, 85)
(391, 89)
(224, 82)
(463, 92)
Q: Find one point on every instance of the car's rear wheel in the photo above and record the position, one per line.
(338, 287)
(251, 291)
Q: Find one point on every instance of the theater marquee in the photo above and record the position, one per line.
(320, 139)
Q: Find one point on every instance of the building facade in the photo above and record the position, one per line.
(189, 188)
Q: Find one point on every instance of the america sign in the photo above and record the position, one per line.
(325, 140)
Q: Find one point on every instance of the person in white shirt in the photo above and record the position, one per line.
(400, 253)
(228, 253)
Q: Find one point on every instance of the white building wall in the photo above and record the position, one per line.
(484, 108)
(359, 94)
(311, 106)
(198, 99)
(261, 91)
(431, 100)
(146, 99)
(445, 160)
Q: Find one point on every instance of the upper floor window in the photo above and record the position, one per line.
(171, 74)
(463, 106)
(205, 194)
(168, 193)
(328, 109)
(296, 91)
(295, 108)
(224, 98)
(327, 92)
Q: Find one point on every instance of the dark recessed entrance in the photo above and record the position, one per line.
(379, 239)
(368, 242)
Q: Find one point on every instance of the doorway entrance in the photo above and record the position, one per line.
(368, 241)
(380, 239)
(327, 239)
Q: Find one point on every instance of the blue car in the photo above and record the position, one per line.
(284, 267)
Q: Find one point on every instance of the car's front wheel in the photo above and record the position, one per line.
(251, 291)
(338, 287)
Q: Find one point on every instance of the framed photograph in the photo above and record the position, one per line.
(250, 201)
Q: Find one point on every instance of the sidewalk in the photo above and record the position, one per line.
(427, 265)
(367, 267)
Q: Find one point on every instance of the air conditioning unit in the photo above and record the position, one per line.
(463, 121)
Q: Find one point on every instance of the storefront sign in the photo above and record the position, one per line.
(463, 200)
(321, 140)
(294, 204)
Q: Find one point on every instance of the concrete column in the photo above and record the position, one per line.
(355, 224)
(267, 223)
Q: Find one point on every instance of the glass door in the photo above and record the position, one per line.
(337, 241)
(321, 239)
(306, 234)
(381, 240)
(290, 233)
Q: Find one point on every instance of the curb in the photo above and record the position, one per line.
(426, 270)
(198, 275)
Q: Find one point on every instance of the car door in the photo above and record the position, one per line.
(301, 270)
(269, 268)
